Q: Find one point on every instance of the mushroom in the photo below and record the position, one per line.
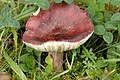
(60, 28)
(5, 76)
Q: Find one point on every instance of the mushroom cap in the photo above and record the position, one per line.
(62, 27)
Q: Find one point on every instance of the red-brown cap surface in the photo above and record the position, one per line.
(62, 27)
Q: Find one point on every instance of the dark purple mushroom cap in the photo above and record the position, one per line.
(62, 27)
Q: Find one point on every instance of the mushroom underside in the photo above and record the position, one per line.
(55, 49)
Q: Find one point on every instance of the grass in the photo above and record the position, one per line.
(97, 59)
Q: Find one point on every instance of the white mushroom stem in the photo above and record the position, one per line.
(57, 59)
(69, 67)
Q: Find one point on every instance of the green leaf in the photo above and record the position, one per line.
(93, 5)
(6, 19)
(43, 4)
(14, 66)
(77, 1)
(91, 72)
(28, 1)
(104, 1)
(110, 51)
(29, 49)
(99, 30)
(85, 1)
(25, 68)
(107, 16)
(115, 2)
(68, 1)
(115, 77)
(14, 23)
(110, 25)
(117, 45)
(101, 6)
(91, 12)
(119, 29)
(108, 37)
(2, 4)
(37, 53)
(58, 1)
(99, 15)
(115, 17)
(48, 60)
(49, 67)
(101, 63)
(28, 60)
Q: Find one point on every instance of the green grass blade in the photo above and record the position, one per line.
(116, 53)
(14, 66)
(111, 60)
(64, 72)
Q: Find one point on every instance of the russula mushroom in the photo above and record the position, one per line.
(62, 27)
